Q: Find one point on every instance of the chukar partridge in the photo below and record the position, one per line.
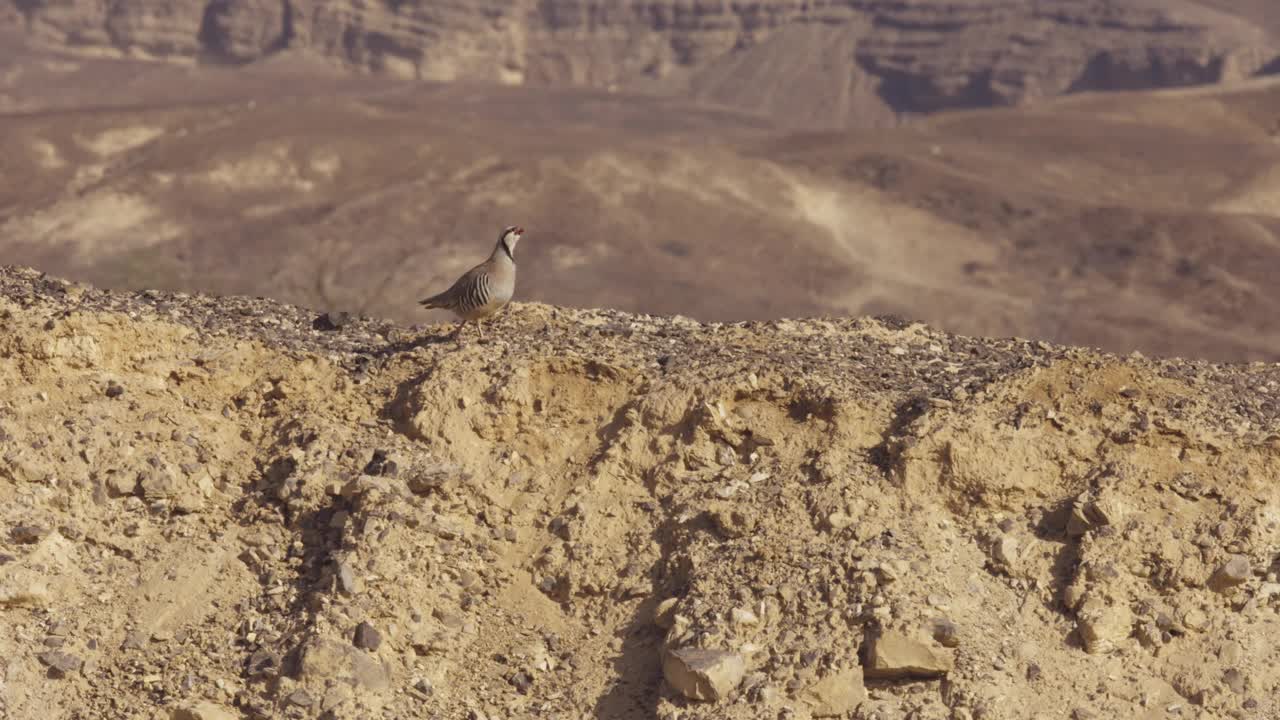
(484, 289)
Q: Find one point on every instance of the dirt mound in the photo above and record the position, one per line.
(218, 508)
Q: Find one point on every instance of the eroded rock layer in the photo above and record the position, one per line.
(834, 63)
(217, 508)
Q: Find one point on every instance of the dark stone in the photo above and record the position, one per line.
(367, 637)
(262, 662)
(522, 681)
(375, 465)
(60, 664)
(26, 534)
(333, 320)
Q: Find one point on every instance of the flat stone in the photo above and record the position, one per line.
(347, 579)
(336, 696)
(326, 660)
(27, 534)
(202, 711)
(703, 674)
(835, 695)
(301, 698)
(895, 655)
(60, 664)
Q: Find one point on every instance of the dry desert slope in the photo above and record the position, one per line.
(231, 508)
(1125, 221)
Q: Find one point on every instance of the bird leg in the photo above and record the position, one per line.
(480, 329)
(457, 332)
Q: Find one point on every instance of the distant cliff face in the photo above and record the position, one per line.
(835, 63)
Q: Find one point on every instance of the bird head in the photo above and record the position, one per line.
(510, 236)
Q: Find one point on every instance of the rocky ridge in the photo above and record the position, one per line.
(827, 64)
(228, 507)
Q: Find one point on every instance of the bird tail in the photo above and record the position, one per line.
(435, 301)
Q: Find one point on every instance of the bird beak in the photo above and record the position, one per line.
(519, 231)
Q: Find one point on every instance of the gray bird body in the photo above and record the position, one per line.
(486, 288)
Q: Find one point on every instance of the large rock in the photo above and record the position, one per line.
(1090, 513)
(1230, 574)
(1103, 625)
(60, 664)
(325, 660)
(894, 655)
(703, 674)
(23, 588)
(835, 695)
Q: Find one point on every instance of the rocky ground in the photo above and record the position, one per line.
(229, 508)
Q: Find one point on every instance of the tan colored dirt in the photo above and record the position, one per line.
(214, 508)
